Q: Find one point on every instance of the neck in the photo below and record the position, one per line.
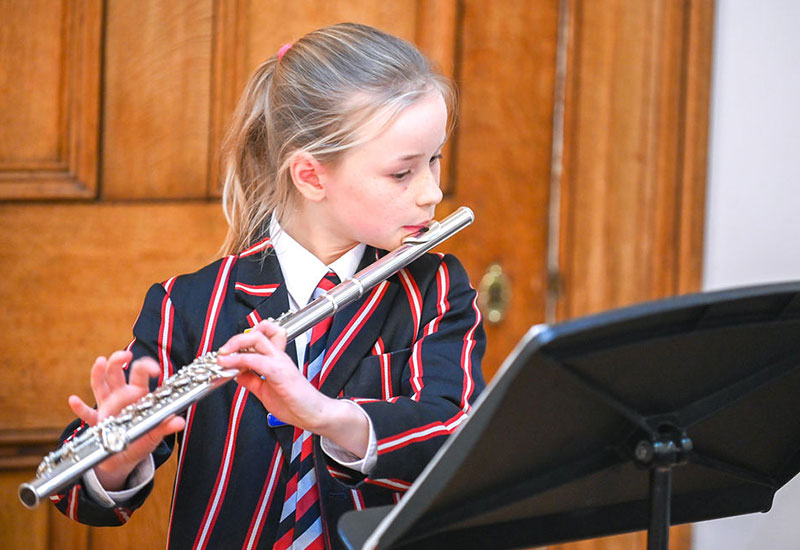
(311, 231)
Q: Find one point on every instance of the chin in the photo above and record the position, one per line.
(388, 244)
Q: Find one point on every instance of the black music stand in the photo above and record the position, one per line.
(685, 409)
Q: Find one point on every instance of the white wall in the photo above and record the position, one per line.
(753, 210)
(753, 216)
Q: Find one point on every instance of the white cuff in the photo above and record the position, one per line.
(348, 459)
(140, 476)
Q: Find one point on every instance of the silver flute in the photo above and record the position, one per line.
(203, 375)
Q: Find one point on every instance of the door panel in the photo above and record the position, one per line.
(156, 101)
(50, 54)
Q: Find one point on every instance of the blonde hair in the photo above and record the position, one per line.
(316, 98)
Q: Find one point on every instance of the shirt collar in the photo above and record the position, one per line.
(302, 270)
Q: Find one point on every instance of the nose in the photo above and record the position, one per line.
(429, 193)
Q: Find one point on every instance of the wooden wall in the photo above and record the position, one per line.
(580, 145)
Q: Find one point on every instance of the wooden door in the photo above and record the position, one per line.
(580, 146)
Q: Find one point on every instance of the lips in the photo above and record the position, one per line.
(415, 228)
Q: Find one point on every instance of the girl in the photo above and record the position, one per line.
(333, 159)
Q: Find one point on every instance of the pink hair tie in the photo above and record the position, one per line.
(283, 49)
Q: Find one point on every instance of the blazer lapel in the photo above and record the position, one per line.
(261, 288)
(354, 331)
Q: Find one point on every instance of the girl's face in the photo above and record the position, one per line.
(388, 187)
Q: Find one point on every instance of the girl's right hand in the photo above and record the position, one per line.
(112, 393)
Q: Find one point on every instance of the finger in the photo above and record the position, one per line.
(247, 361)
(169, 426)
(115, 377)
(275, 333)
(254, 340)
(145, 445)
(250, 381)
(142, 370)
(97, 378)
(82, 410)
(120, 357)
(129, 393)
(238, 343)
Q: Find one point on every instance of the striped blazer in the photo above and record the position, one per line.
(408, 352)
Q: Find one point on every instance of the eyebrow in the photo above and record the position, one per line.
(410, 157)
(417, 155)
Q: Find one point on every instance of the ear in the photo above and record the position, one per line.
(307, 175)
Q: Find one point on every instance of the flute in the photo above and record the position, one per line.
(203, 375)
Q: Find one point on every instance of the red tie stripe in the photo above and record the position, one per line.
(315, 350)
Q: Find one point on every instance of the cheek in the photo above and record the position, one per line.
(374, 195)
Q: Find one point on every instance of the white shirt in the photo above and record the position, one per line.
(301, 271)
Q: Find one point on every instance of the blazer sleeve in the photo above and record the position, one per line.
(157, 334)
(440, 380)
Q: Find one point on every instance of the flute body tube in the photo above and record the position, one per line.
(203, 375)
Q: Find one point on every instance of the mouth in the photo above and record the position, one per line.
(418, 228)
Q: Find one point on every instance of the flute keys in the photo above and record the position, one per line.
(146, 402)
(69, 452)
(181, 380)
(114, 438)
(202, 375)
(45, 466)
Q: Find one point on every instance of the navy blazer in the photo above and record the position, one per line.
(408, 352)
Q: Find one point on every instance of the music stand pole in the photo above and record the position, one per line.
(660, 496)
(660, 456)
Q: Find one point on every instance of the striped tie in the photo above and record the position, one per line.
(315, 350)
(301, 522)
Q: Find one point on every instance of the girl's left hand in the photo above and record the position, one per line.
(283, 390)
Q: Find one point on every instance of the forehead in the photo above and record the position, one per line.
(422, 124)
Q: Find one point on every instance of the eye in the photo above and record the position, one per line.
(400, 176)
(436, 158)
